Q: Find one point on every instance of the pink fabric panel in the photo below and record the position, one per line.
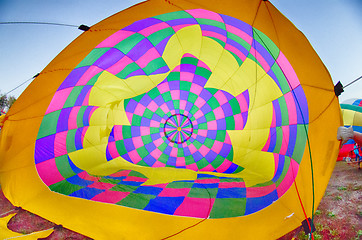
(288, 179)
(60, 97)
(186, 76)
(178, 27)
(288, 71)
(195, 207)
(115, 39)
(292, 111)
(285, 141)
(252, 192)
(60, 144)
(86, 176)
(120, 65)
(148, 57)
(152, 106)
(204, 150)
(137, 142)
(173, 152)
(239, 33)
(154, 28)
(224, 166)
(217, 146)
(181, 161)
(91, 72)
(193, 167)
(260, 59)
(102, 185)
(174, 192)
(236, 51)
(72, 120)
(110, 196)
(232, 185)
(201, 13)
(214, 35)
(134, 156)
(112, 148)
(221, 98)
(203, 65)
(156, 153)
(208, 168)
(219, 113)
(212, 125)
(48, 172)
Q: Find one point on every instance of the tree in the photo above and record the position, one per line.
(6, 102)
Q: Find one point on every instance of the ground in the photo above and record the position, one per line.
(339, 215)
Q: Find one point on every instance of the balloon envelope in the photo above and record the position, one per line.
(182, 119)
(352, 117)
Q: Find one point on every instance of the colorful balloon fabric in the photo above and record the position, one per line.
(176, 116)
(352, 117)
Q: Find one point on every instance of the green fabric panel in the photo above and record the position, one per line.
(73, 96)
(202, 193)
(284, 86)
(228, 207)
(49, 124)
(121, 149)
(92, 57)
(202, 163)
(173, 15)
(283, 111)
(94, 79)
(189, 60)
(284, 172)
(142, 151)
(130, 68)
(235, 106)
(80, 116)
(154, 65)
(352, 107)
(203, 72)
(239, 40)
(70, 140)
(65, 187)
(123, 188)
(109, 180)
(136, 200)
(64, 167)
(222, 43)
(180, 184)
(157, 37)
(136, 174)
(217, 161)
(204, 21)
(266, 42)
(127, 44)
(251, 57)
(300, 143)
(279, 139)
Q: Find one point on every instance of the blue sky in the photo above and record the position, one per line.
(333, 27)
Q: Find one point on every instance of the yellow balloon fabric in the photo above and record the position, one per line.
(176, 120)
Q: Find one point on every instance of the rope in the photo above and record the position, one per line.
(41, 23)
(353, 82)
(3, 214)
(22, 84)
(29, 234)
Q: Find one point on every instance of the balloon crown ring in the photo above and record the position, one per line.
(178, 128)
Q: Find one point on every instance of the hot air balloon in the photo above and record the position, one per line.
(176, 119)
(352, 117)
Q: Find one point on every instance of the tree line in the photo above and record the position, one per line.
(6, 102)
